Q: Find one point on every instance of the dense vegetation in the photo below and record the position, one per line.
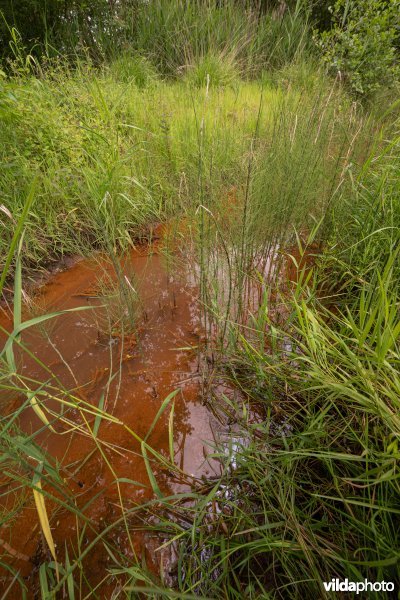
(117, 116)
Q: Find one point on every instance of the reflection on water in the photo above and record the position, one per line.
(130, 375)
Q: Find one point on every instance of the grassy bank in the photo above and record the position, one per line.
(103, 156)
(283, 192)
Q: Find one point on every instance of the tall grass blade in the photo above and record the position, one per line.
(40, 412)
(99, 417)
(171, 434)
(17, 233)
(17, 305)
(160, 411)
(70, 577)
(150, 473)
(42, 513)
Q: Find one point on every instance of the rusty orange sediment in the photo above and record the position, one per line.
(136, 373)
(133, 371)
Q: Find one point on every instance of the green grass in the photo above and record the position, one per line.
(177, 34)
(106, 161)
(228, 126)
(315, 491)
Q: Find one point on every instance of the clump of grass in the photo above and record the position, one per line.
(304, 74)
(212, 70)
(299, 156)
(121, 307)
(310, 490)
(175, 34)
(133, 68)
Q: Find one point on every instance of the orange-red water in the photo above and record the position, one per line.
(81, 354)
(74, 352)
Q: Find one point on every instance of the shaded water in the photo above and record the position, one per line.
(133, 373)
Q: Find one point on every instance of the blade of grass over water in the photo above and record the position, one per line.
(171, 434)
(164, 405)
(150, 473)
(17, 304)
(97, 420)
(39, 411)
(42, 512)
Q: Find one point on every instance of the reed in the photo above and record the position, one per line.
(281, 194)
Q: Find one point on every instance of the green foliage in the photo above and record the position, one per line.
(361, 44)
(311, 486)
(129, 67)
(177, 34)
(214, 70)
(372, 217)
(30, 17)
(62, 25)
(172, 35)
(7, 98)
(107, 160)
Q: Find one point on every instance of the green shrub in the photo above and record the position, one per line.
(361, 44)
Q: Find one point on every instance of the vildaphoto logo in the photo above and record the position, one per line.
(337, 585)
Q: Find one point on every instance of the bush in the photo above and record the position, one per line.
(361, 44)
